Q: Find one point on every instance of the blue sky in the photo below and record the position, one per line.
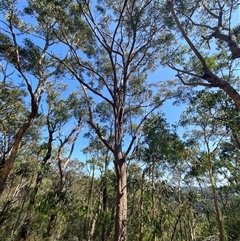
(172, 113)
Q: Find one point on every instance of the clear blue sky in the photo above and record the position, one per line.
(172, 113)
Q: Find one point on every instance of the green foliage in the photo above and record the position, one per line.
(13, 111)
(163, 144)
(110, 47)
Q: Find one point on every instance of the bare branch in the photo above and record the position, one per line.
(194, 83)
(210, 12)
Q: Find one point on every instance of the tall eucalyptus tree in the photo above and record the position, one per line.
(124, 43)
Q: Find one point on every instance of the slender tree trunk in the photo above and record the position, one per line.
(104, 201)
(28, 218)
(9, 162)
(153, 200)
(141, 209)
(192, 225)
(16, 145)
(90, 212)
(216, 205)
(93, 227)
(121, 202)
(33, 194)
(104, 204)
(178, 219)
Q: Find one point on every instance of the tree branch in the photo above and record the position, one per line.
(98, 132)
(197, 53)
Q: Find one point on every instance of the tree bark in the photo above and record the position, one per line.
(153, 201)
(141, 225)
(15, 148)
(35, 99)
(121, 202)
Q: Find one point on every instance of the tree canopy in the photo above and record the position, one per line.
(79, 71)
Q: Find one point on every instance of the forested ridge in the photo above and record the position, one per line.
(79, 73)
